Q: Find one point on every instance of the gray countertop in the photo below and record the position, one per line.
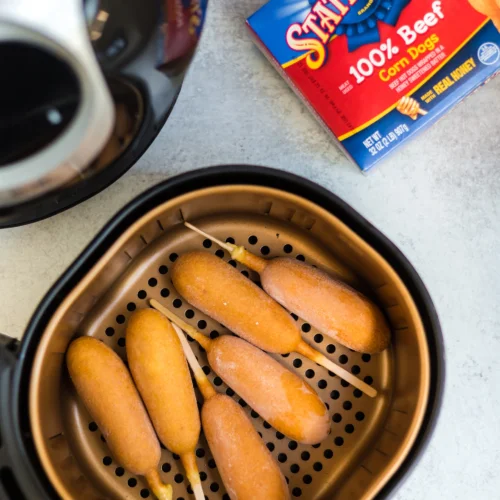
(437, 198)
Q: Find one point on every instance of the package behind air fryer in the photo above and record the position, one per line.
(376, 72)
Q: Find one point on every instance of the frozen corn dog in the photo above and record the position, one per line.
(246, 466)
(221, 292)
(160, 371)
(329, 305)
(278, 395)
(106, 388)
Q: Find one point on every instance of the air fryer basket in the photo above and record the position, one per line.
(372, 441)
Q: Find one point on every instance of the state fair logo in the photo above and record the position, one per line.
(358, 20)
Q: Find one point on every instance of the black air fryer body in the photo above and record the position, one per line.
(90, 86)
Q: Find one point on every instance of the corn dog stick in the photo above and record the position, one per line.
(296, 410)
(246, 466)
(314, 355)
(199, 374)
(191, 467)
(227, 246)
(158, 366)
(190, 330)
(202, 381)
(237, 252)
(161, 490)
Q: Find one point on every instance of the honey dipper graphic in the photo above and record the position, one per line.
(490, 8)
(410, 107)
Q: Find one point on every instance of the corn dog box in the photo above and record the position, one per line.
(376, 72)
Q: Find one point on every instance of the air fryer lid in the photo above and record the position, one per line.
(38, 100)
(53, 80)
(86, 93)
(372, 440)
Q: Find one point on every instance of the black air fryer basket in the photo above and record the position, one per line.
(49, 446)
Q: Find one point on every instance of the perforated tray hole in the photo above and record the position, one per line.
(304, 466)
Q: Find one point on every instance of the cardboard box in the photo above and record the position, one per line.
(376, 72)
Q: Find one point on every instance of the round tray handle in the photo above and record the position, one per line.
(9, 487)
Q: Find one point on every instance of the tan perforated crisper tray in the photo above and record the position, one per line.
(370, 437)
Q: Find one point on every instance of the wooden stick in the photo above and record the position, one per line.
(161, 490)
(314, 355)
(202, 381)
(227, 246)
(191, 467)
(198, 490)
(190, 330)
(239, 253)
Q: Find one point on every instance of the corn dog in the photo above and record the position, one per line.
(107, 390)
(246, 466)
(282, 398)
(330, 306)
(221, 292)
(160, 371)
